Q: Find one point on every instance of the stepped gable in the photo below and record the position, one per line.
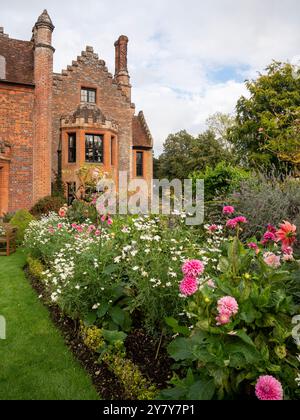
(141, 133)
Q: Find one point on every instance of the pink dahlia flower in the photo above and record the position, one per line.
(269, 237)
(62, 212)
(253, 245)
(232, 223)
(212, 228)
(272, 260)
(241, 219)
(228, 210)
(287, 234)
(193, 268)
(188, 286)
(223, 319)
(269, 389)
(228, 305)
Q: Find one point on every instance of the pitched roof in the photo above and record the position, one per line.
(19, 59)
(141, 133)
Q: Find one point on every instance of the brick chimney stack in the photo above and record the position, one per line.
(121, 71)
(43, 74)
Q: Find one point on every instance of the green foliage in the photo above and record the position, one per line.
(47, 205)
(184, 154)
(35, 267)
(92, 337)
(21, 220)
(80, 211)
(8, 216)
(226, 360)
(221, 180)
(136, 387)
(266, 132)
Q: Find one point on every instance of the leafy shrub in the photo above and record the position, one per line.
(221, 180)
(80, 211)
(35, 267)
(92, 337)
(8, 216)
(268, 200)
(231, 342)
(47, 205)
(135, 385)
(21, 220)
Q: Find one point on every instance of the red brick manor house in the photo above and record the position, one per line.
(53, 122)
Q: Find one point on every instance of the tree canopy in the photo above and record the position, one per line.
(267, 127)
(184, 154)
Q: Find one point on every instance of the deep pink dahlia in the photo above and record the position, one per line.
(269, 236)
(253, 245)
(228, 210)
(241, 219)
(188, 286)
(193, 268)
(231, 224)
(269, 389)
(228, 305)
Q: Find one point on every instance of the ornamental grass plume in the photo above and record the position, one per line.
(268, 389)
(193, 268)
(189, 286)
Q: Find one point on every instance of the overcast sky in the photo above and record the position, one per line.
(187, 59)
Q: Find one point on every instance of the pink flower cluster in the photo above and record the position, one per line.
(191, 269)
(268, 389)
(233, 223)
(227, 307)
(83, 228)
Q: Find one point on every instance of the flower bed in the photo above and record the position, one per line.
(229, 304)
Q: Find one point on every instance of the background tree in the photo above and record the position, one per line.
(184, 154)
(219, 124)
(266, 132)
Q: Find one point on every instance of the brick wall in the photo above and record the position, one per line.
(16, 127)
(89, 71)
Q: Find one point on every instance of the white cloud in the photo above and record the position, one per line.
(174, 48)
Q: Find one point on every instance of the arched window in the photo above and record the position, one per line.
(2, 67)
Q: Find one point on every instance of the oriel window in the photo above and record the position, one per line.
(93, 148)
(72, 148)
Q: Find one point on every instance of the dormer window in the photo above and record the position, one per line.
(88, 95)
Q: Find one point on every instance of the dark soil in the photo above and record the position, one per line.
(141, 349)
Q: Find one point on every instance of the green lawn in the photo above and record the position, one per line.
(35, 364)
